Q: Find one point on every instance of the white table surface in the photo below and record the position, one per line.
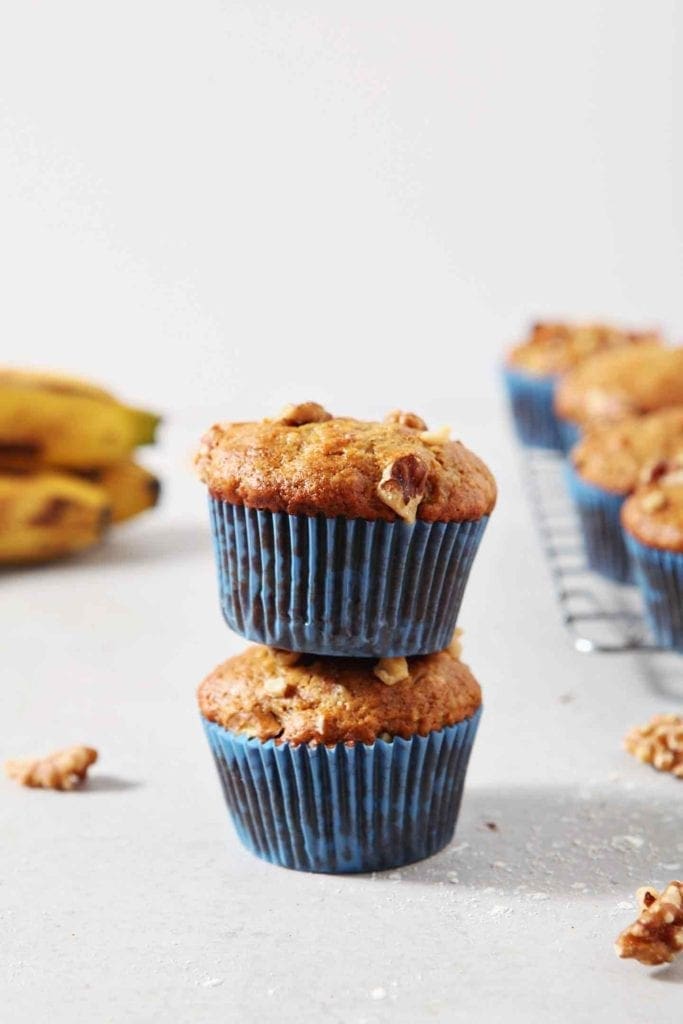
(132, 900)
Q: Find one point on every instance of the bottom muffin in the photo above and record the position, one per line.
(341, 765)
(653, 523)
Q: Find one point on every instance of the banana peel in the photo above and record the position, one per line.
(48, 515)
(131, 489)
(52, 420)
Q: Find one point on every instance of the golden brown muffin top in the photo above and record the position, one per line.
(654, 513)
(553, 348)
(634, 451)
(308, 462)
(292, 698)
(613, 385)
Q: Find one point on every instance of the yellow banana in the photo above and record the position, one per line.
(131, 489)
(48, 515)
(49, 381)
(48, 420)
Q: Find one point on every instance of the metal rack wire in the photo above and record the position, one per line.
(601, 616)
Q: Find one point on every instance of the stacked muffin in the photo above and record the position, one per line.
(343, 549)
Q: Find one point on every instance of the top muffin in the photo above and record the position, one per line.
(553, 348)
(612, 385)
(635, 451)
(307, 462)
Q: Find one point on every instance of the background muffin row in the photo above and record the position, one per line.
(614, 401)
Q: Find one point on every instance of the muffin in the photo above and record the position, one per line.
(614, 385)
(343, 537)
(606, 466)
(534, 366)
(653, 520)
(338, 764)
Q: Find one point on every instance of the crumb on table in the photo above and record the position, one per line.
(656, 937)
(63, 769)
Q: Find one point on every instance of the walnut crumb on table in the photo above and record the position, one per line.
(64, 769)
(656, 937)
(659, 743)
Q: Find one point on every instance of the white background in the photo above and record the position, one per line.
(217, 208)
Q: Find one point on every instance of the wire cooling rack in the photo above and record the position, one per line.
(601, 616)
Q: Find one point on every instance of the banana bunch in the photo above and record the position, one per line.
(66, 465)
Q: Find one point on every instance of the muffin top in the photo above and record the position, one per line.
(628, 381)
(553, 348)
(308, 462)
(292, 698)
(634, 451)
(654, 513)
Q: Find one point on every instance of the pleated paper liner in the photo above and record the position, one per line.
(345, 808)
(570, 434)
(531, 402)
(603, 536)
(348, 587)
(659, 575)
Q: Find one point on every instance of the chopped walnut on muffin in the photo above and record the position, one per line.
(406, 419)
(392, 670)
(305, 412)
(656, 937)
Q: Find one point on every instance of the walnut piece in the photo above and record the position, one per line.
(455, 646)
(659, 743)
(653, 501)
(62, 770)
(669, 469)
(608, 406)
(392, 670)
(285, 658)
(306, 412)
(406, 419)
(403, 485)
(436, 437)
(276, 686)
(656, 937)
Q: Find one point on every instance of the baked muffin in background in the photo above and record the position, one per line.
(534, 366)
(653, 522)
(343, 537)
(613, 385)
(607, 465)
(341, 765)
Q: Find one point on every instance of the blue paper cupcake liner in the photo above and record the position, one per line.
(531, 402)
(349, 587)
(603, 537)
(659, 575)
(345, 808)
(570, 434)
